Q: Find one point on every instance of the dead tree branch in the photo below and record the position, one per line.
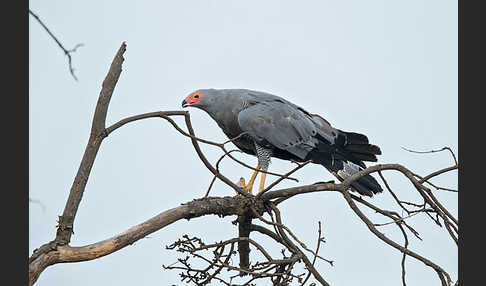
(43, 257)
(66, 52)
(65, 227)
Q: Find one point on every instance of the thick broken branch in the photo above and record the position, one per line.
(65, 227)
(224, 206)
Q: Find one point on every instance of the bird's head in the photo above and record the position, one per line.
(200, 98)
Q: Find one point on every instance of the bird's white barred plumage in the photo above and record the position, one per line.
(264, 156)
(349, 169)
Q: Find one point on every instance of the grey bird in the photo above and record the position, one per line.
(275, 127)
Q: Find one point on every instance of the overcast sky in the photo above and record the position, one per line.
(387, 69)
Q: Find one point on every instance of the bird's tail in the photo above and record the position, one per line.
(365, 185)
(345, 158)
(358, 147)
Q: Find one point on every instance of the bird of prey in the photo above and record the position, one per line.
(275, 127)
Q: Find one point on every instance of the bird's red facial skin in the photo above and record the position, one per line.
(194, 98)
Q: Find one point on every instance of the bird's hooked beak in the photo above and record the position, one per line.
(184, 103)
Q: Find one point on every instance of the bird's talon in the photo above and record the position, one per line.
(241, 183)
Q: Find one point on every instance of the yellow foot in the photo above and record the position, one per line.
(243, 185)
(262, 182)
(241, 182)
(249, 187)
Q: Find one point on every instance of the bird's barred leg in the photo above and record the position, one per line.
(248, 187)
(262, 182)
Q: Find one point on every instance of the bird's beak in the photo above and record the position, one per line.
(184, 103)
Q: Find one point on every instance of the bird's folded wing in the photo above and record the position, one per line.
(277, 124)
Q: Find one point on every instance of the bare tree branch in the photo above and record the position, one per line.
(434, 151)
(440, 272)
(65, 227)
(66, 52)
(319, 240)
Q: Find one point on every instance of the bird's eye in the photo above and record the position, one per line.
(196, 96)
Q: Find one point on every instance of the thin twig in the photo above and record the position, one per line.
(397, 220)
(391, 192)
(389, 214)
(217, 169)
(443, 275)
(66, 52)
(292, 235)
(282, 178)
(294, 248)
(434, 151)
(319, 239)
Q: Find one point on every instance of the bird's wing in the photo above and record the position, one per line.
(278, 124)
(324, 128)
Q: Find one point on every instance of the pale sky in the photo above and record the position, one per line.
(387, 69)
